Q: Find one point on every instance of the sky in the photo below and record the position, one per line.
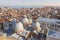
(29, 2)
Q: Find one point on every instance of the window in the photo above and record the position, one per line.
(47, 24)
(52, 25)
(58, 26)
(56, 29)
(55, 25)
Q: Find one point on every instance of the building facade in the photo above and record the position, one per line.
(49, 23)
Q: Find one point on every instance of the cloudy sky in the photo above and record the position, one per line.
(29, 2)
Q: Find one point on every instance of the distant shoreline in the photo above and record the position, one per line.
(28, 6)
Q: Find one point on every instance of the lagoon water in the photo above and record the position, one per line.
(26, 6)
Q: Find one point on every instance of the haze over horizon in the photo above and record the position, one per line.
(29, 2)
